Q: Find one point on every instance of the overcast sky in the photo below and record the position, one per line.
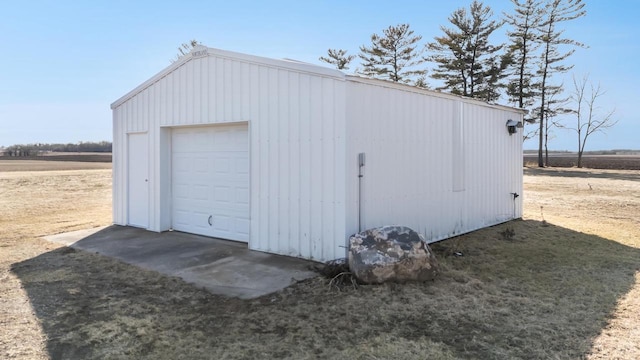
(65, 62)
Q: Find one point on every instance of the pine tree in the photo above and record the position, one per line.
(495, 76)
(185, 48)
(393, 56)
(556, 12)
(421, 82)
(338, 58)
(523, 44)
(466, 61)
(556, 105)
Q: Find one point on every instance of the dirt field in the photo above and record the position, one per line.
(39, 165)
(564, 285)
(613, 162)
(7, 163)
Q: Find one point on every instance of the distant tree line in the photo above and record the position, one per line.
(466, 61)
(40, 148)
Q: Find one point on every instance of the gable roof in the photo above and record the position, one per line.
(203, 51)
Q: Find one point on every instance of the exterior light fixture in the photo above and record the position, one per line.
(513, 125)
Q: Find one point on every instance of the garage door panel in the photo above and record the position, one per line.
(180, 217)
(200, 192)
(201, 220)
(200, 164)
(221, 223)
(210, 174)
(181, 191)
(181, 164)
(242, 226)
(242, 196)
(222, 165)
(180, 141)
(222, 195)
(241, 165)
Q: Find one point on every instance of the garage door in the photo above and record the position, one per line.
(210, 181)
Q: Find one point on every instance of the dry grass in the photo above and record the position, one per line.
(33, 204)
(565, 287)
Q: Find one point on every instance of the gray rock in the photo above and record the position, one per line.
(391, 253)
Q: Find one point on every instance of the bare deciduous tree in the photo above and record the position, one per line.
(588, 118)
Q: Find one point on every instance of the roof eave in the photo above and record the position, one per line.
(405, 87)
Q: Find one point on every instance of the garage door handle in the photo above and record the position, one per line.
(209, 220)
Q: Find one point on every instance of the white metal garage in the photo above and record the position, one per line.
(267, 151)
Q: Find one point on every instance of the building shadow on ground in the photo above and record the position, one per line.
(537, 291)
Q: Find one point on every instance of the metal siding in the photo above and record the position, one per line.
(443, 166)
(305, 191)
(271, 125)
(163, 171)
(119, 216)
(293, 148)
(165, 109)
(219, 86)
(327, 139)
(154, 160)
(183, 95)
(340, 147)
(294, 162)
(315, 162)
(284, 176)
(496, 156)
(203, 92)
(259, 166)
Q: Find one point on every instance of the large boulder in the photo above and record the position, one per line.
(391, 253)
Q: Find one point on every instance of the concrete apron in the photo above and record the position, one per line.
(222, 267)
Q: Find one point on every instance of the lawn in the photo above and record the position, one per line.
(563, 283)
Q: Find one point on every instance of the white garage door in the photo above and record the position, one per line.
(210, 181)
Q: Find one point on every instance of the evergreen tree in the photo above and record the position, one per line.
(421, 82)
(495, 77)
(523, 44)
(393, 56)
(555, 106)
(338, 58)
(185, 48)
(556, 12)
(466, 61)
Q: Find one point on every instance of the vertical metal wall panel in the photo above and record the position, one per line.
(440, 164)
(496, 156)
(304, 195)
(294, 165)
(118, 181)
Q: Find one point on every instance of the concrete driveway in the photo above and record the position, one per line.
(222, 267)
